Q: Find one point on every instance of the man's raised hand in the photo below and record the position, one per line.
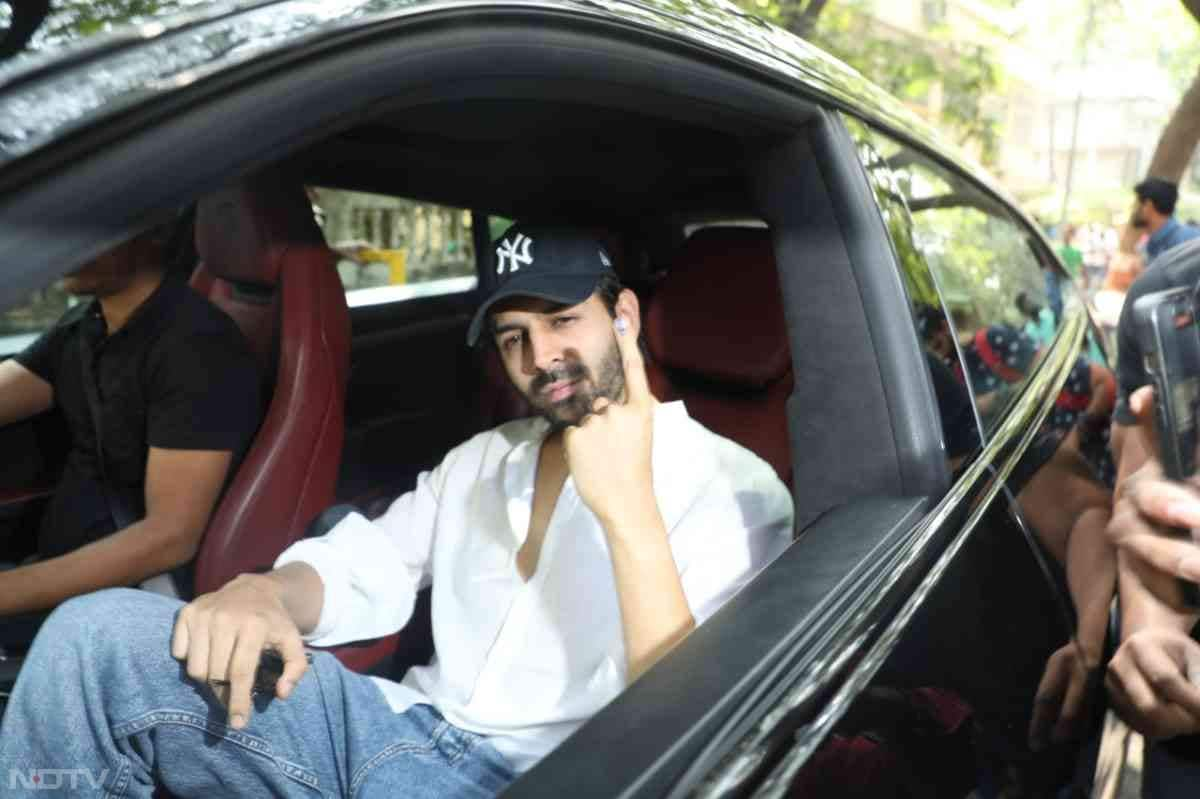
(609, 451)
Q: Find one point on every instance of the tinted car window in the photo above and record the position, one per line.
(21, 325)
(393, 248)
(1003, 304)
(960, 428)
(959, 424)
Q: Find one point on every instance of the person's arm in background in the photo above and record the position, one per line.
(1150, 678)
(181, 490)
(27, 379)
(202, 407)
(22, 393)
(1133, 447)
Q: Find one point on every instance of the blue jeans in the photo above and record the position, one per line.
(101, 708)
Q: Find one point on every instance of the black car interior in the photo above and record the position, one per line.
(792, 335)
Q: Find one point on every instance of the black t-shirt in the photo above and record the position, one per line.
(178, 375)
(1178, 266)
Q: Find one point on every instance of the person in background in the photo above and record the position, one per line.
(161, 397)
(1156, 199)
(1040, 325)
(1071, 255)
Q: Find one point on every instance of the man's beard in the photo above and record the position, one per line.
(607, 382)
(1139, 221)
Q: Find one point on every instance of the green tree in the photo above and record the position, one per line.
(846, 30)
(56, 22)
(1177, 142)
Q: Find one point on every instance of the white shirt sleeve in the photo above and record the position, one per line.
(733, 530)
(371, 570)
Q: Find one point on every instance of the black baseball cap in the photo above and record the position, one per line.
(552, 262)
(1163, 193)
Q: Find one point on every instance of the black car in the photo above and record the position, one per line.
(834, 287)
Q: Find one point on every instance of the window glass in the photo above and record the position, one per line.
(960, 427)
(394, 248)
(1001, 305)
(19, 326)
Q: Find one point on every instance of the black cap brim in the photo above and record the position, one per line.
(567, 289)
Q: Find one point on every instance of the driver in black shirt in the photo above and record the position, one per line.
(177, 394)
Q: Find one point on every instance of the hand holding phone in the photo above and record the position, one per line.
(1169, 336)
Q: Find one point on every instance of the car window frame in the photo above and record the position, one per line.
(1040, 246)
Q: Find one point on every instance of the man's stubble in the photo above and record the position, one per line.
(607, 380)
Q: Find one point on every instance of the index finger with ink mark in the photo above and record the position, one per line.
(636, 382)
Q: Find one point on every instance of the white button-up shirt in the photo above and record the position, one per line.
(528, 662)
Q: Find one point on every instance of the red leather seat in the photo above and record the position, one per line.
(264, 261)
(715, 328)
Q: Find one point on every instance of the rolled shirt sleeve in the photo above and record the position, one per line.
(371, 570)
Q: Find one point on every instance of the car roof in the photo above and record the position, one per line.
(46, 95)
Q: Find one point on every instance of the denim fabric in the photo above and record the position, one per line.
(102, 709)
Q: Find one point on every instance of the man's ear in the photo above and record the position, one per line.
(629, 309)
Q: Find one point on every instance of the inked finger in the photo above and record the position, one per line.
(637, 384)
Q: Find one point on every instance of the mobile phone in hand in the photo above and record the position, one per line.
(1169, 336)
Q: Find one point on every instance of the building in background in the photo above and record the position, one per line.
(1122, 106)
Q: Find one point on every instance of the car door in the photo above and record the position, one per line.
(944, 705)
(895, 609)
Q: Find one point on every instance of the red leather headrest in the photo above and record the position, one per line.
(718, 313)
(242, 231)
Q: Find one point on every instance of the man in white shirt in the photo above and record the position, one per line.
(566, 553)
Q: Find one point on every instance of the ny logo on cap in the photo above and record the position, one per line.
(514, 252)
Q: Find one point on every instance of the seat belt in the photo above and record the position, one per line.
(120, 512)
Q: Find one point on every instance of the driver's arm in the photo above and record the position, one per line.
(22, 393)
(181, 489)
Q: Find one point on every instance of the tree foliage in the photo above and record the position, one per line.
(61, 21)
(964, 73)
(1177, 143)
